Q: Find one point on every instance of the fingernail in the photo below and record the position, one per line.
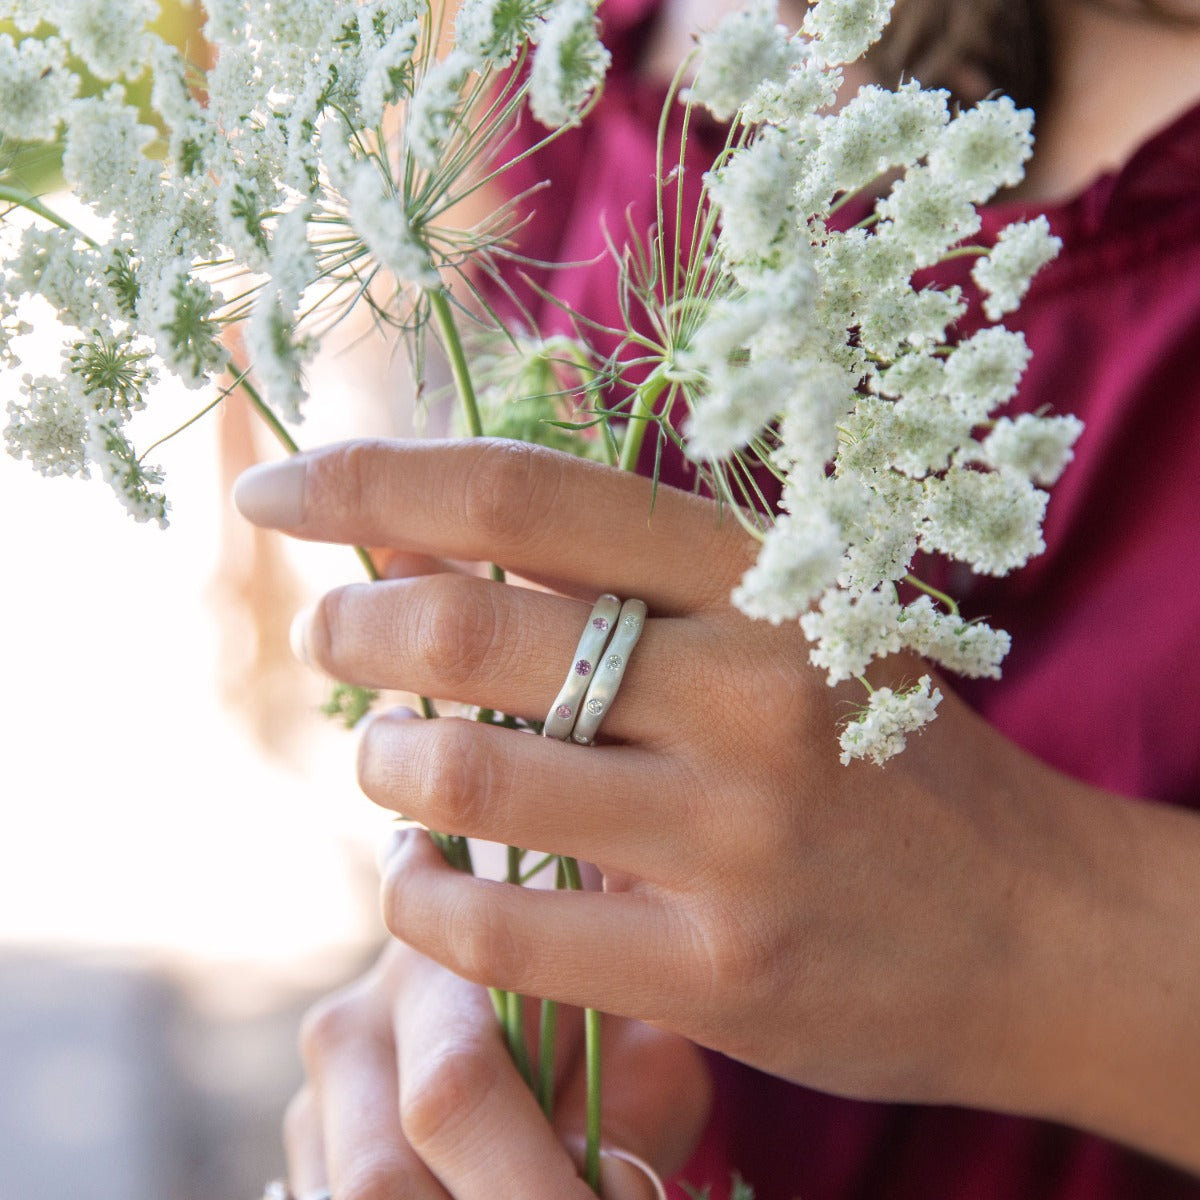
(298, 635)
(624, 1176)
(272, 494)
(395, 841)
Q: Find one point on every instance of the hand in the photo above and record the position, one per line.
(411, 1092)
(956, 927)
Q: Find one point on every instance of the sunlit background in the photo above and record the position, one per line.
(185, 860)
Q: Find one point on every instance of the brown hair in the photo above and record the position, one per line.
(974, 47)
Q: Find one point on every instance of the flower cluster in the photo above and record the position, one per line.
(824, 359)
(321, 161)
(265, 192)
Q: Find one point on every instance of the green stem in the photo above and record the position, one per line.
(514, 1008)
(591, 1036)
(640, 415)
(547, 1034)
(29, 202)
(443, 315)
(930, 590)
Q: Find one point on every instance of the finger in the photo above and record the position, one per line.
(537, 943)
(464, 1108)
(506, 648)
(613, 806)
(533, 510)
(304, 1145)
(354, 1077)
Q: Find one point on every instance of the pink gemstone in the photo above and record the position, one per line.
(583, 667)
(563, 712)
(600, 623)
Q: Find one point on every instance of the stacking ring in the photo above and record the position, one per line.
(565, 709)
(606, 680)
(278, 1190)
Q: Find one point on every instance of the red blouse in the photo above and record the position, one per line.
(1103, 680)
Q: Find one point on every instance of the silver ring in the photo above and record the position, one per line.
(566, 706)
(278, 1190)
(607, 678)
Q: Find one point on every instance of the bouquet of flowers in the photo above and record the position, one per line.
(320, 161)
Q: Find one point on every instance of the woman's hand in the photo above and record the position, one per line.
(411, 1092)
(964, 925)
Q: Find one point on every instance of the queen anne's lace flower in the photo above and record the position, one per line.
(109, 35)
(797, 561)
(569, 64)
(970, 648)
(35, 88)
(881, 730)
(495, 30)
(988, 519)
(379, 218)
(1038, 447)
(847, 632)
(984, 371)
(746, 50)
(1005, 273)
(984, 149)
(50, 427)
(435, 106)
(845, 29)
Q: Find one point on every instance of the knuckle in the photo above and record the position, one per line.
(506, 493)
(455, 628)
(329, 1024)
(442, 1095)
(347, 482)
(485, 949)
(453, 776)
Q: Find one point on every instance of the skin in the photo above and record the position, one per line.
(1013, 937)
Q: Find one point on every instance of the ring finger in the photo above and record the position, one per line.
(503, 647)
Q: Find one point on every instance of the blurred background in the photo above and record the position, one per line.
(186, 860)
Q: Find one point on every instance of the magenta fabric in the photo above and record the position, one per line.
(1104, 677)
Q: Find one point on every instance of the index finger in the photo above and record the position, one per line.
(536, 511)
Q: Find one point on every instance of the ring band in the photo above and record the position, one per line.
(278, 1190)
(566, 706)
(607, 679)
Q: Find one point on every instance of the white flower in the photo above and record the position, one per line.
(820, 397)
(919, 375)
(104, 158)
(433, 113)
(50, 428)
(798, 560)
(845, 29)
(133, 482)
(379, 218)
(880, 732)
(984, 371)
(988, 519)
(293, 264)
(495, 30)
(389, 73)
(807, 88)
(180, 311)
(970, 648)
(893, 319)
(35, 88)
(1005, 273)
(278, 355)
(26, 15)
(849, 631)
(927, 215)
(984, 149)
(753, 190)
(569, 65)
(1038, 447)
(109, 35)
(875, 131)
(745, 51)
(736, 404)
